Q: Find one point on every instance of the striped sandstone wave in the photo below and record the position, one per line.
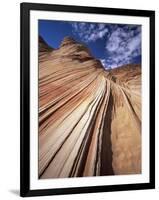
(89, 118)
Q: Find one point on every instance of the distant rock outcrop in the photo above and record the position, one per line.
(89, 118)
(44, 49)
(68, 41)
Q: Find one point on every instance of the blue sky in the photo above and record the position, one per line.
(113, 44)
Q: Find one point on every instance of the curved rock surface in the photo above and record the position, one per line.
(89, 118)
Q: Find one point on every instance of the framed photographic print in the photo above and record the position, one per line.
(87, 99)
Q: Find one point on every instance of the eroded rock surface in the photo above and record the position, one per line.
(89, 118)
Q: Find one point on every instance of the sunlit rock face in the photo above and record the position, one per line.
(89, 117)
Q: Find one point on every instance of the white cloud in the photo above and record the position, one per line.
(101, 26)
(103, 61)
(89, 32)
(124, 45)
(107, 65)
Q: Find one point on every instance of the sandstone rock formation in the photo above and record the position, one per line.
(89, 117)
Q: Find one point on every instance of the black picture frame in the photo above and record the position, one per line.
(25, 9)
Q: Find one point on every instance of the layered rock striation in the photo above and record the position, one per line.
(89, 117)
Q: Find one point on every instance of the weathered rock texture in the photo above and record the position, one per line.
(89, 118)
